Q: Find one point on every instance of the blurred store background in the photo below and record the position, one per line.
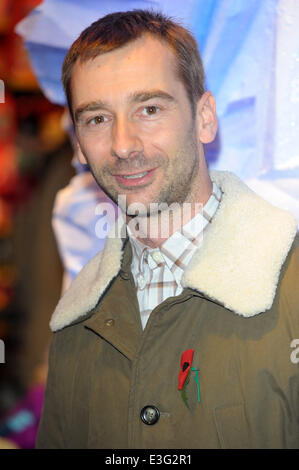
(35, 157)
(250, 51)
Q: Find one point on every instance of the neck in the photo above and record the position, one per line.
(156, 228)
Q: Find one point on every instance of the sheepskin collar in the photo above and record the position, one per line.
(238, 264)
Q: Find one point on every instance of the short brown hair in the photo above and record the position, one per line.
(117, 29)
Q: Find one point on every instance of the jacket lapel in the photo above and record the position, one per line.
(90, 284)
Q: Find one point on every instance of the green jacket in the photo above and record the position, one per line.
(238, 311)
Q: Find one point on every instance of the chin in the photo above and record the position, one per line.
(138, 208)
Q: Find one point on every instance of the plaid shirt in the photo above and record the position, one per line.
(158, 271)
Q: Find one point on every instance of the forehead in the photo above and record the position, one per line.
(144, 63)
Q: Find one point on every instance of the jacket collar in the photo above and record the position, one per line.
(238, 264)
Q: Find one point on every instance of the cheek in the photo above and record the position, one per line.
(94, 147)
(163, 138)
(170, 134)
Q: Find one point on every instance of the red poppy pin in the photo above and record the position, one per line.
(186, 363)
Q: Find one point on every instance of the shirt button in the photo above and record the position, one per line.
(149, 414)
(157, 257)
(109, 322)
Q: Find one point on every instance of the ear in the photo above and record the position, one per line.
(207, 123)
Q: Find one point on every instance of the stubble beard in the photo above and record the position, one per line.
(176, 190)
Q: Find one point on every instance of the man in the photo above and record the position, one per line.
(179, 334)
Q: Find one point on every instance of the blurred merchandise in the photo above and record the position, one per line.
(19, 75)
(6, 17)
(15, 67)
(34, 163)
(12, 11)
(7, 444)
(8, 120)
(20, 425)
(5, 220)
(9, 176)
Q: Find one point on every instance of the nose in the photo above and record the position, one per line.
(125, 139)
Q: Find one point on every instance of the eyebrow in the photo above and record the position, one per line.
(136, 97)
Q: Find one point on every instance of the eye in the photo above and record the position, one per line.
(150, 110)
(97, 120)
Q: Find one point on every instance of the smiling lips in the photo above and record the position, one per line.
(137, 179)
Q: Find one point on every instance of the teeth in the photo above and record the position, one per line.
(131, 177)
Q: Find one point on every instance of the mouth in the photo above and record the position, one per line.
(136, 179)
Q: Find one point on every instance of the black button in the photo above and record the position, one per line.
(150, 414)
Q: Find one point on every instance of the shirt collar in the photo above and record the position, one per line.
(183, 242)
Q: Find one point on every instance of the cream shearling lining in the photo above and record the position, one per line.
(237, 265)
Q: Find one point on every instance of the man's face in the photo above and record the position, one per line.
(134, 124)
